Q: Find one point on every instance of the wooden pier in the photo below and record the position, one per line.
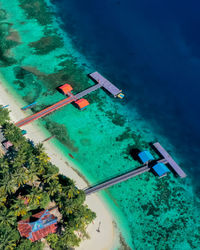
(44, 112)
(101, 82)
(88, 91)
(168, 160)
(117, 179)
(111, 88)
(57, 105)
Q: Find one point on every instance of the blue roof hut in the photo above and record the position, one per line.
(145, 156)
(160, 169)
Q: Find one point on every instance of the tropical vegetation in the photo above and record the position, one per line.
(26, 174)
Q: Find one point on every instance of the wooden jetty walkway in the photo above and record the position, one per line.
(44, 112)
(117, 179)
(105, 83)
(57, 105)
(101, 82)
(168, 159)
(88, 91)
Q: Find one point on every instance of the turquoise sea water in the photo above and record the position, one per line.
(151, 213)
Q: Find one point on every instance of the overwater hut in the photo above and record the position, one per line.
(145, 156)
(66, 88)
(160, 169)
(82, 103)
(38, 226)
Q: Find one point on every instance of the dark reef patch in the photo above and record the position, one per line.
(6, 45)
(116, 118)
(60, 132)
(127, 134)
(20, 84)
(71, 73)
(46, 44)
(3, 15)
(38, 10)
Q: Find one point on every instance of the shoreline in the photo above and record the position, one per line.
(107, 238)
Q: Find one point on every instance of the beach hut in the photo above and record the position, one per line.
(160, 169)
(82, 103)
(145, 156)
(66, 88)
(7, 144)
(38, 226)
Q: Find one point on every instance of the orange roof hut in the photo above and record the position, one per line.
(66, 88)
(82, 103)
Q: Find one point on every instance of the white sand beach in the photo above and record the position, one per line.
(107, 238)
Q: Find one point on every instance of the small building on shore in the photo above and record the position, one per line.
(38, 226)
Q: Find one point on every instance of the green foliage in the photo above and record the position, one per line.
(7, 217)
(26, 244)
(67, 240)
(4, 115)
(53, 240)
(29, 181)
(8, 237)
(13, 134)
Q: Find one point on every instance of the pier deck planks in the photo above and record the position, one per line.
(105, 83)
(169, 159)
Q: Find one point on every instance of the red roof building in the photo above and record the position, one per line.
(66, 88)
(82, 103)
(38, 226)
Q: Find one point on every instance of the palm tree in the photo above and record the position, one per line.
(19, 160)
(61, 200)
(31, 164)
(71, 191)
(19, 208)
(32, 175)
(21, 177)
(8, 238)
(4, 115)
(35, 196)
(48, 177)
(53, 188)
(4, 166)
(3, 197)
(8, 184)
(7, 217)
(38, 149)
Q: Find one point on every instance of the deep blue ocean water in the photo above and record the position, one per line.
(151, 49)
